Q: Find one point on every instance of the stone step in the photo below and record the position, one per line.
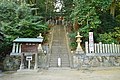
(55, 59)
(60, 68)
(59, 48)
(62, 59)
(62, 64)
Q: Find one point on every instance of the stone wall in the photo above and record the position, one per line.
(83, 61)
(42, 60)
(11, 63)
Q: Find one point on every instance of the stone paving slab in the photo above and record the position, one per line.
(67, 74)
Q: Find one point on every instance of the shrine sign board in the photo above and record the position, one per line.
(91, 42)
(28, 58)
(29, 47)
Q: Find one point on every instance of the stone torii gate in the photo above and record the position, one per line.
(27, 47)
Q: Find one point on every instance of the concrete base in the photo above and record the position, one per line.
(28, 70)
(59, 68)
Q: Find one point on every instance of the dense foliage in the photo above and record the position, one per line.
(18, 21)
(95, 16)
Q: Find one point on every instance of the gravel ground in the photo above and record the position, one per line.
(66, 74)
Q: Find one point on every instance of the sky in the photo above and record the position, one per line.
(58, 5)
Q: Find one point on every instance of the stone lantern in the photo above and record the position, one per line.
(79, 49)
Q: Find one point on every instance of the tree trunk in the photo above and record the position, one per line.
(75, 25)
(112, 8)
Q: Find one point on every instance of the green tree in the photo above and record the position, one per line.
(67, 8)
(16, 24)
(18, 21)
(1, 36)
(87, 14)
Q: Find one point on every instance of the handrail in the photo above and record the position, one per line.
(69, 53)
(50, 50)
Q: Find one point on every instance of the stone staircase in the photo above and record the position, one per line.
(59, 48)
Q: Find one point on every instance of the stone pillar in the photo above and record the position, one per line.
(100, 45)
(36, 56)
(22, 62)
(36, 61)
(95, 45)
(62, 22)
(79, 49)
(86, 47)
(20, 48)
(110, 48)
(13, 49)
(56, 22)
(98, 48)
(115, 47)
(17, 47)
(103, 45)
(118, 50)
(106, 49)
(75, 61)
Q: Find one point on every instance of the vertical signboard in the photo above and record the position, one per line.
(91, 42)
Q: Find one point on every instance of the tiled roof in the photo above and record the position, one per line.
(32, 40)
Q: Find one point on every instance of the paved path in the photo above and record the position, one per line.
(67, 74)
